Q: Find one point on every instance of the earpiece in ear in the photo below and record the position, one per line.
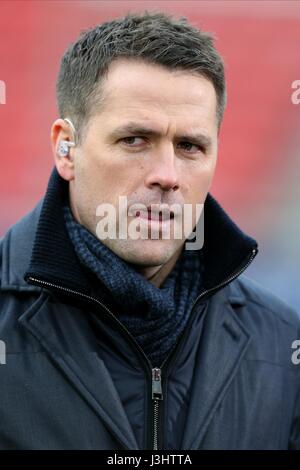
(63, 147)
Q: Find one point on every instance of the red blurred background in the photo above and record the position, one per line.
(257, 178)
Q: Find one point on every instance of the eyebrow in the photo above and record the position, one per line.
(138, 129)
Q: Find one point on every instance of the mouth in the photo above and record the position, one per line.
(156, 215)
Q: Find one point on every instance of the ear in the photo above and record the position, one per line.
(61, 130)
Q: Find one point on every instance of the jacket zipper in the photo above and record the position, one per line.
(157, 395)
(156, 372)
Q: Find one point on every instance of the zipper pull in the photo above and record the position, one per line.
(156, 384)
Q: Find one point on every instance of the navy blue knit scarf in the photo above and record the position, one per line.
(156, 317)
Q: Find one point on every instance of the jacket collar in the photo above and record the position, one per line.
(38, 245)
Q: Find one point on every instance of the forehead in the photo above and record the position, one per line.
(133, 88)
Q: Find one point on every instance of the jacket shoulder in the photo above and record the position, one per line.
(264, 300)
(15, 249)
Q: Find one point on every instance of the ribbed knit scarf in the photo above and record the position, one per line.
(156, 317)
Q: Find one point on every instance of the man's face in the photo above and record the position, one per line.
(137, 146)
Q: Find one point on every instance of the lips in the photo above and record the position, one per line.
(158, 215)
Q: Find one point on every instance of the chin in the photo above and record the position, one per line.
(146, 252)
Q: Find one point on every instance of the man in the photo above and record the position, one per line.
(139, 342)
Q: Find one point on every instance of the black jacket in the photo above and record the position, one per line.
(74, 377)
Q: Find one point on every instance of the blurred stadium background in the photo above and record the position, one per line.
(258, 173)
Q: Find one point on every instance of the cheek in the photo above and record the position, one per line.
(196, 182)
(98, 167)
(103, 175)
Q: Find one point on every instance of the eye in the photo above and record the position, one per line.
(129, 141)
(189, 145)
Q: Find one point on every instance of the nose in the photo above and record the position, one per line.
(162, 170)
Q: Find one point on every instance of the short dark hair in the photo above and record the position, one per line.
(152, 37)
